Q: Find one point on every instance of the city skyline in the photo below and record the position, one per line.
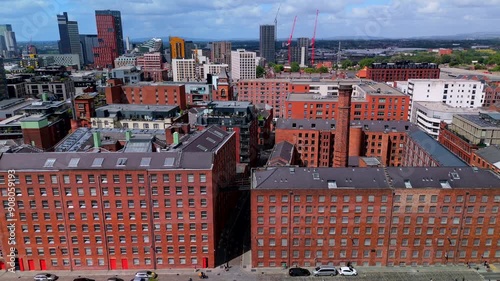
(359, 19)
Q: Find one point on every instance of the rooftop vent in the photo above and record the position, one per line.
(408, 184)
(332, 184)
(455, 176)
(445, 184)
(315, 176)
(292, 170)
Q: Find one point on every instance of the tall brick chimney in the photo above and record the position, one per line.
(341, 146)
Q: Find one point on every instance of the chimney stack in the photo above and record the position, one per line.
(341, 146)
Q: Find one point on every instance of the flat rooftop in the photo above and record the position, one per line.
(479, 121)
(451, 80)
(7, 105)
(367, 125)
(286, 178)
(443, 107)
(230, 104)
(138, 107)
(373, 88)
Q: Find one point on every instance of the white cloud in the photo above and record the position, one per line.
(240, 18)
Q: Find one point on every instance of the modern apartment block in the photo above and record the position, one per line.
(243, 65)
(184, 70)
(107, 211)
(267, 41)
(238, 117)
(4, 94)
(135, 116)
(110, 34)
(374, 216)
(63, 89)
(220, 52)
(402, 71)
(151, 65)
(370, 101)
(178, 48)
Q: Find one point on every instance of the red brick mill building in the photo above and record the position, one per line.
(374, 216)
(120, 210)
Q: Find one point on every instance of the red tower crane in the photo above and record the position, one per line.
(290, 42)
(313, 40)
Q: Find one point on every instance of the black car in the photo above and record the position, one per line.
(83, 279)
(297, 271)
(115, 279)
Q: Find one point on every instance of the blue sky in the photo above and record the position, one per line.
(234, 19)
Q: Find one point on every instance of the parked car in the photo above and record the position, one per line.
(348, 271)
(150, 275)
(140, 279)
(325, 270)
(45, 277)
(83, 279)
(297, 271)
(115, 279)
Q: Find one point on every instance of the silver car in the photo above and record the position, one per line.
(45, 277)
(325, 270)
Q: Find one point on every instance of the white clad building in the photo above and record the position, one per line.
(459, 93)
(184, 70)
(243, 65)
(214, 68)
(427, 115)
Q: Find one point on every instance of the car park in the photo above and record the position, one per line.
(325, 270)
(45, 277)
(297, 271)
(347, 271)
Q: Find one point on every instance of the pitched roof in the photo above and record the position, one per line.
(281, 155)
(491, 154)
(439, 153)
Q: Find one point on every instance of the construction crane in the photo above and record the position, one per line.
(276, 24)
(290, 42)
(313, 40)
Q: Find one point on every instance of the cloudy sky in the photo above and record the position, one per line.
(239, 19)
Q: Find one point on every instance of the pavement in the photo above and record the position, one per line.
(238, 273)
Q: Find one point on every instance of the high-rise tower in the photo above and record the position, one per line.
(110, 34)
(69, 42)
(268, 42)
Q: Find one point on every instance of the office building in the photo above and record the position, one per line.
(178, 48)
(373, 216)
(429, 115)
(120, 207)
(8, 42)
(214, 69)
(267, 43)
(220, 52)
(402, 71)
(110, 36)
(88, 42)
(70, 60)
(468, 132)
(243, 65)
(69, 42)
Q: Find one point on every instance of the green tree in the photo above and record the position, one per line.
(445, 59)
(260, 71)
(278, 68)
(294, 67)
(365, 62)
(346, 64)
(323, 69)
(309, 70)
